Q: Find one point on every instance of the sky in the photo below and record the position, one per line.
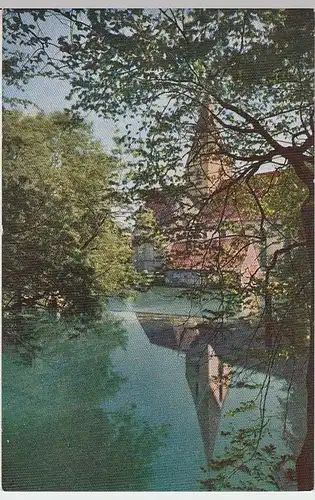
(49, 94)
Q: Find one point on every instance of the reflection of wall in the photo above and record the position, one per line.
(185, 333)
(207, 377)
(218, 376)
(208, 380)
(182, 277)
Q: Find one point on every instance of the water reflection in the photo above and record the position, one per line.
(56, 436)
(208, 379)
(207, 376)
(254, 405)
(68, 419)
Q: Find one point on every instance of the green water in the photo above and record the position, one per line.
(106, 410)
(176, 301)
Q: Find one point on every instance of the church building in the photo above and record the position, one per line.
(215, 225)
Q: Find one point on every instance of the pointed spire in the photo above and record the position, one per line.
(206, 165)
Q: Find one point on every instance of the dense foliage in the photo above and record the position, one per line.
(62, 247)
(254, 66)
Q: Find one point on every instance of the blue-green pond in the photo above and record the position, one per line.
(101, 408)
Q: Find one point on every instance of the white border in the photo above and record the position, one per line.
(250, 4)
(240, 4)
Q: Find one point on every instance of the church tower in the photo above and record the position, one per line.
(206, 166)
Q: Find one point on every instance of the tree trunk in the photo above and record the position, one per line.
(268, 321)
(305, 461)
(18, 319)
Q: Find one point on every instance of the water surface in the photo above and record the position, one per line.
(108, 410)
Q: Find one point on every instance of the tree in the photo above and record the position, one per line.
(59, 194)
(249, 72)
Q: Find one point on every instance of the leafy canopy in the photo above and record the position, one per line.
(162, 66)
(61, 240)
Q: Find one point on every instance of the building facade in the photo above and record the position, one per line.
(216, 225)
